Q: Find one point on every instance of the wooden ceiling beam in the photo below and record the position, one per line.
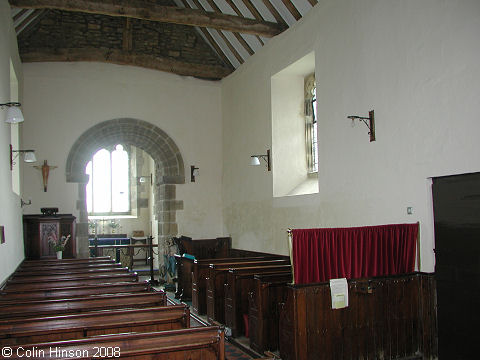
(123, 58)
(19, 14)
(274, 12)
(28, 21)
(239, 37)
(224, 38)
(293, 10)
(213, 43)
(25, 30)
(151, 12)
(239, 13)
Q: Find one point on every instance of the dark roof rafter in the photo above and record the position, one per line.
(151, 12)
(127, 58)
(239, 37)
(224, 38)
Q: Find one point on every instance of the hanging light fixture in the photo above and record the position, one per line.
(255, 160)
(14, 114)
(28, 157)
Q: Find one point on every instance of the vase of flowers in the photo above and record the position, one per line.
(58, 245)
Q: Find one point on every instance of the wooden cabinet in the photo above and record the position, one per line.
(38, 228)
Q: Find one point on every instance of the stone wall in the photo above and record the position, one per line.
(73, 30)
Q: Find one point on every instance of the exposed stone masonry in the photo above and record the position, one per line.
(169, 170)
(74, 30)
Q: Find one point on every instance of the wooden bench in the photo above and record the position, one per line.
(52, 271)
(206, 343)
(77, 305)
(268, 291)
(73, 292)
(52, 261)
(239, 283)
(59, 283)
(200, 271)
(68, 267)
(387, 318)
(216, 287)
(78, 326)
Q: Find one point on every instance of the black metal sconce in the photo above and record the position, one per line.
(255, 160)
(370, 124)
(194, 171)
(29, 156)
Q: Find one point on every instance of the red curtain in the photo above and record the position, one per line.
(323, 254)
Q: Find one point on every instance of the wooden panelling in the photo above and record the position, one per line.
(238, 285)
(268, 291)
(387, 318)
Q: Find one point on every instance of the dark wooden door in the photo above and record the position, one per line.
(457, 251)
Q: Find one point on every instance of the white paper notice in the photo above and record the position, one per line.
(339, 291)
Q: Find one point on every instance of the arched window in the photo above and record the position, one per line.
(311, 124)
(108, 189)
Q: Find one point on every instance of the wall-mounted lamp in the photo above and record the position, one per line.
(23, 203)
(28, 157)
(14, 114)
(194, 171)
(255, 160)
(370, 124)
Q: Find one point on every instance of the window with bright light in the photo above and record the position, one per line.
(294, 129)
(311, 124)
(108, 187)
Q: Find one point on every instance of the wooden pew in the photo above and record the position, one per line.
(268, 291)
(239, 283)
(216, 291)
(200, 271)
(58, 283)
(61, 268)
(206, 343)
(97, 260)
(77, 305)
(78, 326)
(387, 318)
(52, 272)
(73, 292)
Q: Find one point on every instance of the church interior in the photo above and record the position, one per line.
(223, 141)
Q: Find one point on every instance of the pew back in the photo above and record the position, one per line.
(216, 290)
(77, 305)
(63, 272)
(50, 267)
(268, 291)
(97, 260)
(206, 343)
(77, 326)
(73, 292)
(201, 269)
(59, 283)
(239, 283)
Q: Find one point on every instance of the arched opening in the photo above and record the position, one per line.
(169, 170)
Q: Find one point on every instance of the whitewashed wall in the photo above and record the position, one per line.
(11, 253)
(65, 99)
(416, 63)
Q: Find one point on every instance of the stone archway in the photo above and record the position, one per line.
(169, 170)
